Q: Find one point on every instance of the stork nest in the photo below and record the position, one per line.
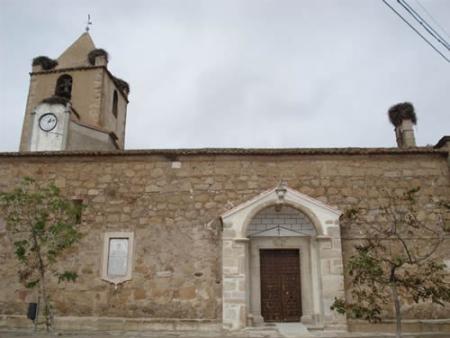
(55, 100)
(45, 62)
(122, 85)
(93, 54)
(400, 112)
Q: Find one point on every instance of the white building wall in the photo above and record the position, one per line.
(56, 138)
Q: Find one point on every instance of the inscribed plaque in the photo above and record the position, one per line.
(118, 257)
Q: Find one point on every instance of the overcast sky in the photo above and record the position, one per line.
(225, 73)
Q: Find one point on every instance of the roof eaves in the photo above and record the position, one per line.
(442, 142)
(236, 151)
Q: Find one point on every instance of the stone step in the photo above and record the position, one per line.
(369, 335)
(263, 332)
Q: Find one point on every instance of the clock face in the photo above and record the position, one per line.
(47, 122)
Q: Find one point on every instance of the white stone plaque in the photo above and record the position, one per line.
(118, 257)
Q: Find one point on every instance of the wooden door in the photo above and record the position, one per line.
(280, 285)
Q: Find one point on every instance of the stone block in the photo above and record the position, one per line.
(336, 243)
(230, 284)
(139, 294)
(325, 244)
(330, 253)
(187, 293)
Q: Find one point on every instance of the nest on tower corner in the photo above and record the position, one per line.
(93, 54)
(400, 112)
(122, 85)
(55, 100)
(45, 62)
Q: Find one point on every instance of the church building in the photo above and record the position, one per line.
(200, 238)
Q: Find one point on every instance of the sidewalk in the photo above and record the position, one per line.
(250, 333)
(263, 333)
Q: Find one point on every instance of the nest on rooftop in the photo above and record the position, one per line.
(122, 85)
(45, 62)
(93, 54)
(55, 100)
(400, 112)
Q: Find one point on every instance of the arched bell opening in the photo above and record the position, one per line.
(63, 86)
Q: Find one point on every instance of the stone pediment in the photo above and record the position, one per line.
(322, 215)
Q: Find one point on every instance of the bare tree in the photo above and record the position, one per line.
(396, 259)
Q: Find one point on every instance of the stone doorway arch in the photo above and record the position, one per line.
(322, 255)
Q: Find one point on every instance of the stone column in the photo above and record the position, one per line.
(235, 283)
(314, 317)
(331, 265)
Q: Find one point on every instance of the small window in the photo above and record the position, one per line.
(117, 257)
(64, 86)
(115, 103)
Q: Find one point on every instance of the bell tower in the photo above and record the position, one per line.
(74, 102)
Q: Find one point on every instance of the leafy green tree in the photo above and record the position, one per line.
(41, 225)
(396, 259)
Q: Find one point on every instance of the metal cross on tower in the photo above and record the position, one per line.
(89, 22)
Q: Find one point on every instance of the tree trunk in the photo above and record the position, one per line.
(43, 286)
(398, 315)
(47, 315)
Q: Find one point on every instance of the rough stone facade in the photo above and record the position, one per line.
(173, 201)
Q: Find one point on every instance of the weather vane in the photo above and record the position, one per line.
(89, 22)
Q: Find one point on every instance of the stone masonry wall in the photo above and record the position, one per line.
(86, 93)
(172, 206)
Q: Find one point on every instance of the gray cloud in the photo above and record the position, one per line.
(254, 73)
